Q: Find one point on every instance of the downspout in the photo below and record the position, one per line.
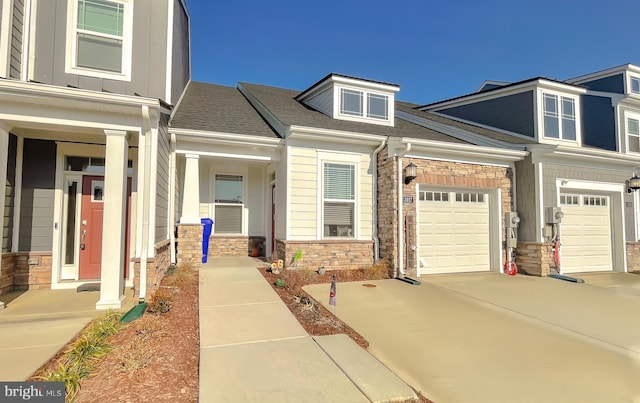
(376, 239)
(145, 210)
(401, 273)
(172, 198)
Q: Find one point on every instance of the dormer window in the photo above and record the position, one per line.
(352, 99)
(559, 117)
(99, 38)
(351, 103)
(635, 85)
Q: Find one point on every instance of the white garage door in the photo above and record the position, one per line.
(585, 233)
(453, 232)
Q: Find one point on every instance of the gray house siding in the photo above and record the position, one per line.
(181, 69)
(7, 229)
(598, 123)
(15, 64)
(512, 112)
(162, 184)
(526, 199)
(608, 84)
(38, 183)
(149, 47)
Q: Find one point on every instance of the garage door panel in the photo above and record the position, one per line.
(585, 236)
(453, 236)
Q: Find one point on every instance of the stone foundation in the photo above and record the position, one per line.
(535, 259)
(156, 268)
(220, 245)
(333, 255)
(633, 257)
(6, 273)
(31, 270)
(189, 244)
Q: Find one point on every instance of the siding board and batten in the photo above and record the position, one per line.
(181, 56)
(511, 112)
(526, 200)
(148, 63)
(38, 183)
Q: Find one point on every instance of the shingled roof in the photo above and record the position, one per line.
(282, 104)
(482, 131)
(217, 108)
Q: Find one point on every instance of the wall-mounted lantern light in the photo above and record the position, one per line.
(633, 183)
(411, 171)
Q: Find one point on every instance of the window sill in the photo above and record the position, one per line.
(98, 74)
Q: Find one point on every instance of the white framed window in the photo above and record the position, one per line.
(633, 135)
(352, 104)
(464, 197)
(568, 200)
(339, 200)
(559, 117)
(429, 196)
(635, 85)
(99, 38)
(228, 206)
(378, 106)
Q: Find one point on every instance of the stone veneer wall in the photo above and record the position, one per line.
(222, 245)
(156, 268)
(633, 256)
(435, 173)
(30, 276)
(535, 259)
(333, 255)
(6, 273)
(189, 244)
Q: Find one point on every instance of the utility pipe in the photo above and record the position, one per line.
(376, 239)
(145, 210)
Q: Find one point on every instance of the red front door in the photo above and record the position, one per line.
(91, 227)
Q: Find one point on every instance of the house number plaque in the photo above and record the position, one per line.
(407, 199)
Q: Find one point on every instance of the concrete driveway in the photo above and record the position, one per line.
(487, 337)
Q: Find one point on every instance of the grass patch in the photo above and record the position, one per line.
(77, 362)
(182, 276)
(160, 302)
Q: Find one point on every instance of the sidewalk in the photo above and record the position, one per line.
(253, 349)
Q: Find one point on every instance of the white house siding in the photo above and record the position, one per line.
(256, 199)
(162, 184)
(323, 102)
(304, 189)
(16, 39)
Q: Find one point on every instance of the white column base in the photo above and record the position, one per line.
(104, 304)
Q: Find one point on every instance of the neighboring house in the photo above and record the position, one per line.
(583, 144)
(85, 101)
(322, 171)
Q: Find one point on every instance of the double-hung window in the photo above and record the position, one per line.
(100, 38)
(633, 135)
(559, 117)
(228, 204)
(339, 200)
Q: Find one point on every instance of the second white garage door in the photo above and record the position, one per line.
(453, 232)
(585, 233)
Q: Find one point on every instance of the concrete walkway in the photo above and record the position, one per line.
(494, 338)
(252, 349)
(36, 324)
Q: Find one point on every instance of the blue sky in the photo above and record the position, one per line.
(433, 49)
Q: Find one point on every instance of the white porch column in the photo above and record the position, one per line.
(191, 191)
(114, 221)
